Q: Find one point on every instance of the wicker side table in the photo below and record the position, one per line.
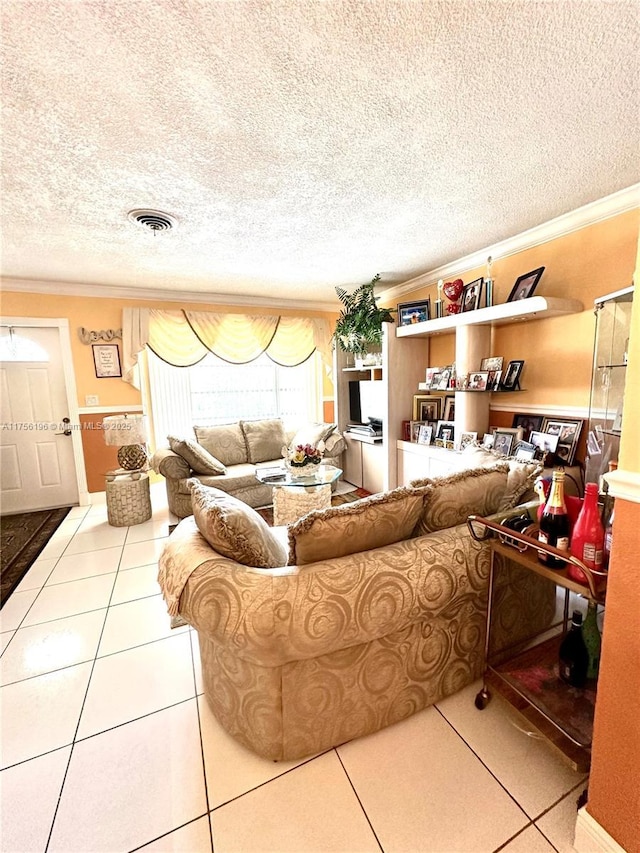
(290, 504)
(128, 499)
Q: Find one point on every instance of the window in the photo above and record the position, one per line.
(216, 392)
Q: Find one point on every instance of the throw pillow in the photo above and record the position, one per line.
(312, 434)
(199, 459)
(234, 529)
(225, 442)
(520, 480)
(359, 526)
(264, 439)
(477, 491)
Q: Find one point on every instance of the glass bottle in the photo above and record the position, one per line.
(587, 539)
(554, 523)
(608, 537)
(574, 657)
(592, 639)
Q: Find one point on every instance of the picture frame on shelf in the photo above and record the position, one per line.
(511, 378)
(425, 433)
(415, 429)
(449, 409)
(478, 380)
(430, 373)
(503, 442)
(426, 407)
(494, 362)
(568, 431)
(493, 380)
(406, 430)
(467, 438)
(445, 431)
(444, 379)
(529, 424)
(525, 285)
(487, 440)
(414, 312)
(435, 379)
(545, 443)
(471, 294)
(524, 451)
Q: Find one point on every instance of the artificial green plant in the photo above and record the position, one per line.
(359, 326)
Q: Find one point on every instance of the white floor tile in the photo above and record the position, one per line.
(149, 678)
(55, 547)
(29, 797)
(93, 540)
(41, 714)
(37, 574)
(231, 769)
(423, 761)
(155, 528)
(150, 781)
(530, 840)
(67, 528)
(136, 583)
(75, 567)
(135, 623)
(559, 823)
(527, 766)
(69, 599)
(142, 553)
(52, 645)
(197, 662)
(313, 809)
(16, 608)
(5, 639)
(78, 512)
(193, 838)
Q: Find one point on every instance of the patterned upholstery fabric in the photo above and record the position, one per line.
(298, 659)
(520, 479)
(199, 459)
(235, 530)
(312, 434)
(360, 526)
(225, 442)
(264, 439)
(452, 499)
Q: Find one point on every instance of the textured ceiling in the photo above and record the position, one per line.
(303, 145)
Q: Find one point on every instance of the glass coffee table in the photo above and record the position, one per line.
(294, 495)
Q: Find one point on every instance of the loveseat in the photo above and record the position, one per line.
(227, 457)
(353, 617)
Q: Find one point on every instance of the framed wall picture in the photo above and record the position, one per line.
(511, 376)
(471, 295)
(414, 312)
(425, 407)
(525, 285)
(568, 432)
(106, 360)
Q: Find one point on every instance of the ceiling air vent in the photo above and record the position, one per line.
(155, 220)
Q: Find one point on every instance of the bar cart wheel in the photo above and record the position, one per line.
(482, 699)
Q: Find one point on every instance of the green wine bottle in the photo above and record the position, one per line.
(592, 639)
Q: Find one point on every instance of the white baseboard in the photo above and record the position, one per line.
(590, 837)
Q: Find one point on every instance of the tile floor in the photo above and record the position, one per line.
(108, 743)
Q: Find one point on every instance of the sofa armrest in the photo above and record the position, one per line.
(335, 444)
(170, 464)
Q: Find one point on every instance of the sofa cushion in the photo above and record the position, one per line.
(225, 442)
(234, 529)
(199, 459)
(237, 477)
(520, 479)
(451, 499)
(312, 434)
(359, 526)
(264, 439)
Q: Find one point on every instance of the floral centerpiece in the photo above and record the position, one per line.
(303, 459)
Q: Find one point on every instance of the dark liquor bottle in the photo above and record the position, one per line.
(592, 639)
(574, 657)
(554, 523)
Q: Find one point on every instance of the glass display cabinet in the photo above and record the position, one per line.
(613, 323)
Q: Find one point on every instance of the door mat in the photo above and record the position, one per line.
(23, 537)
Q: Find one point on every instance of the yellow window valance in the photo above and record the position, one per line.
(184, 338)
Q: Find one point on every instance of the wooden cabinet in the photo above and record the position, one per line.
(364, 463)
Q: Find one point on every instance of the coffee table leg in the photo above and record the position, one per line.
(292, 502)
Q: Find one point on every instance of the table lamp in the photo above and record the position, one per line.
(129, 434)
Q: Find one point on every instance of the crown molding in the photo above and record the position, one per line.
(596, 211)
(105, 291)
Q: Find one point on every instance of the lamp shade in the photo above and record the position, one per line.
(123, 430)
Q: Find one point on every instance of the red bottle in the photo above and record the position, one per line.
(587, 540)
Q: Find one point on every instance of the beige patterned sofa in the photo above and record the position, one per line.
(379, 612)
(227, 457)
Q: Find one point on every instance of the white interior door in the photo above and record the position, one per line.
(37, 466)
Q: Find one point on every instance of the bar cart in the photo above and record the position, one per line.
(526, 674)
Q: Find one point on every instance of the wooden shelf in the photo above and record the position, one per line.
(534, 308)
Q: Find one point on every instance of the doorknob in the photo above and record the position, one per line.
(67, 431)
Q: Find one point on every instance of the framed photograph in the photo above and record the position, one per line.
(525, 452)
(435, 379)
(414, 312)
(471, 295)
(478, 380)
(467, 438)
(529, 424)
(426, 408)
(568, 433)
(525, 285)
(449, 412)
(503, 441)
(424, 434)
(493, 380)
(511, 377)
(414, 427)
(487, 440)
(430, 373)
(406, 430)
(545, 443)
(445, 430)
(492, 363)
(106, 360)
(443, 379)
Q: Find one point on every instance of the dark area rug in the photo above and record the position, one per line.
(23, 537)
